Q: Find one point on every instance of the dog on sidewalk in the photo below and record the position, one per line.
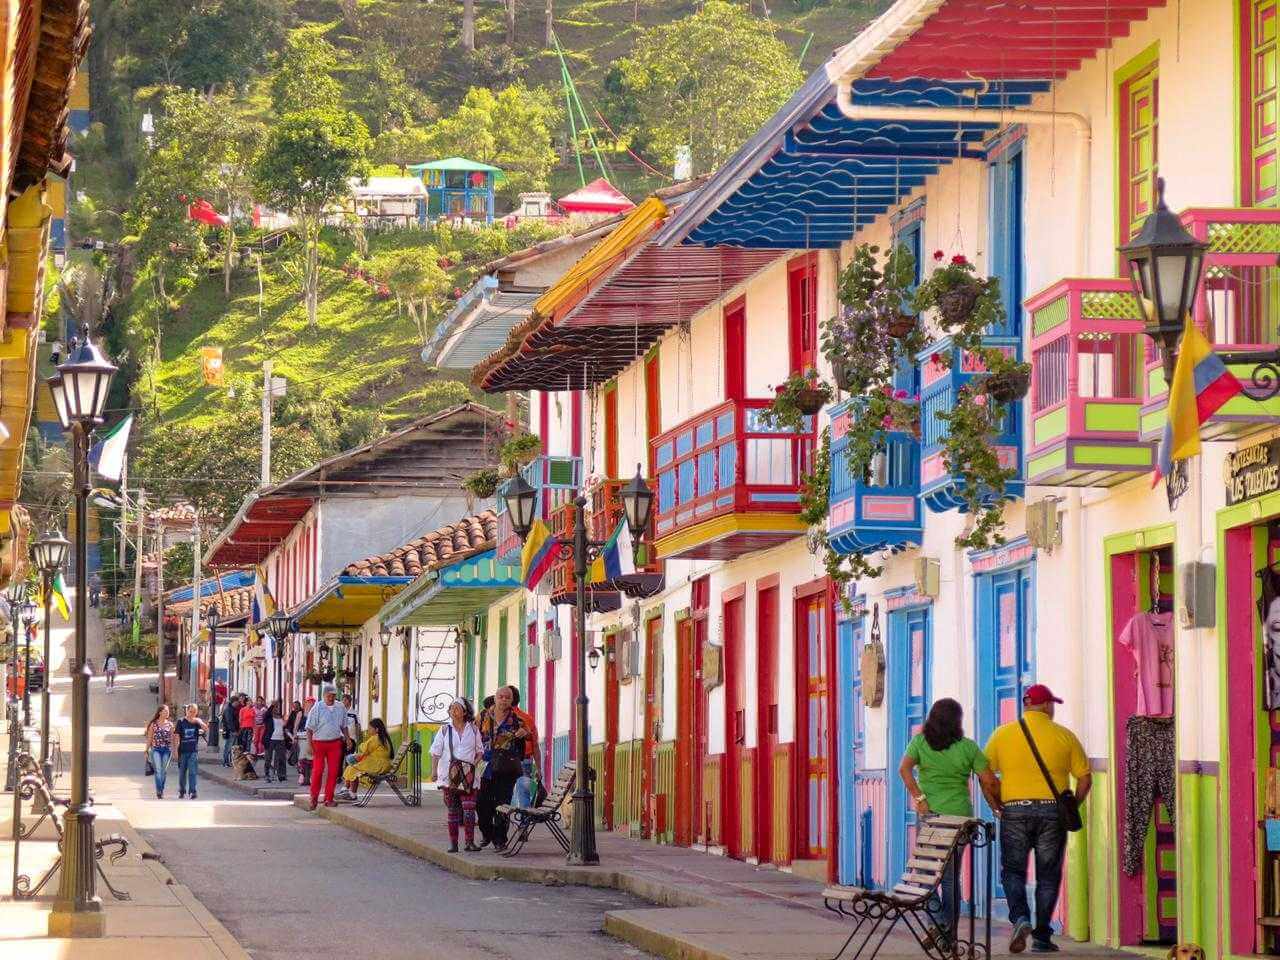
(1186, 951)
(242, 764)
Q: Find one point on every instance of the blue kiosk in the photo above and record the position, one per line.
(457, 187)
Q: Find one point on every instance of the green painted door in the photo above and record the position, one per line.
(1259, 62)
(1138, 127)
(503, 656)
(482, 679)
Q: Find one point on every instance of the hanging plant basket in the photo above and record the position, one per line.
(902, 326)
(957, 303)
(842, 373)
(1007, 387)
(809, 400)
(482, 484)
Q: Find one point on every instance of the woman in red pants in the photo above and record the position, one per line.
(326, 724)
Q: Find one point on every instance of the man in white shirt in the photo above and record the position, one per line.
(326, 726)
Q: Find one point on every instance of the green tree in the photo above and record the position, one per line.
(417, 281)
(305, 75)
(403, 146)
(305, 168)
(382, 93)
(510, 129)
(708, 81)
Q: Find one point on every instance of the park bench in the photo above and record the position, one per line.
(548, 811)
(411, 795)
(32, 786)
(916, 900)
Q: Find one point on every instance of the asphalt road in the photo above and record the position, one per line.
(290, 885)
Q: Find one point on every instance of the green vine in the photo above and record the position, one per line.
(789, 408)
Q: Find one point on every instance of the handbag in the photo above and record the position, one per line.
(1068, 806)
(462, 775)
(150, 769)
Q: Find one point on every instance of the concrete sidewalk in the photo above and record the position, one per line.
(711, 907)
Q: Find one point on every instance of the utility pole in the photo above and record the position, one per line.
(266, 422)
(195, 612)
(137, 551)
(124, 520)
(160, 613)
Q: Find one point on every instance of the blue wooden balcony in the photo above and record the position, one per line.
(879, 511)
(556, 479)
(938, 488)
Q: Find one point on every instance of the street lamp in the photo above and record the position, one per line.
(15, 596)
(27, 611)
(50, 556)
(79, 390)
(212, 617)
(637, 501)
(1165, 262)
(279, 625)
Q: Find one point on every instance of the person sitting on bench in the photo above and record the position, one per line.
(371, 759)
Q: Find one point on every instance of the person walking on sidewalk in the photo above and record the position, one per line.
(326, 725)
(1030, 821)
(946, 759)
(304, 745)
(455, 751)
(230, 726)
(292, 722)
(505, 731)
(109, 667)
(274, 739)
(186, 736)
(246, 724)
(160, 739)
(260, 712)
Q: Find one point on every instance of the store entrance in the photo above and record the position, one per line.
(1145, 756)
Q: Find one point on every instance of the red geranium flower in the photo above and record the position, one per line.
(938, 254)
(959, 259)
(936, 358)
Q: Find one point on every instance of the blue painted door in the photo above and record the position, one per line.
(909, 668)
(1005, 179)
(1005, 610)
(851, 724)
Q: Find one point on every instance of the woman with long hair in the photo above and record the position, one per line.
(160, 736)
(372, 757)
(946, 759)
(455, 751)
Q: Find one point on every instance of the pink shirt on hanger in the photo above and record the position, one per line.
(1149, 637)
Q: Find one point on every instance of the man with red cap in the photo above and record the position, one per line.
(1029, 820)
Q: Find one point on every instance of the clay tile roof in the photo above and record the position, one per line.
(463, 538)
(231, 604)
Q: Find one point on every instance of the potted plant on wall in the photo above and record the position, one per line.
(482, 484)
(519, 450)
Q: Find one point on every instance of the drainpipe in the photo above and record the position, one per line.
(1078, 122)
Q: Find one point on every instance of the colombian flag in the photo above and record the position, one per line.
(538, 555)
(1201, 384)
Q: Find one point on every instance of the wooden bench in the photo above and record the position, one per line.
(32, 787)
(916, 900)
(549, 812)
(411, 795)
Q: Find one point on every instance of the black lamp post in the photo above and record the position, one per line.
(27, 612)
(211, 617)
(279, 625)
(1165, 262)
(79, 391)
(637, 502)
(50, 556)
(15, 596)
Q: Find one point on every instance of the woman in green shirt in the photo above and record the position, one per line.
(947, 759)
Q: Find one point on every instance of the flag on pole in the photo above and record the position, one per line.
(538, 555)
(59, 592)
(137, 619)
(1201, 384)
(106, 456)
(263, 604)
(616, 559)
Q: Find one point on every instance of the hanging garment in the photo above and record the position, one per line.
(1149, 773)
(1270, 648)
(1149, 637)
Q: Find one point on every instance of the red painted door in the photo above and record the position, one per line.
(701, 614)
(652, 714)
(531, 681)
(610, 730)
(814, 783)
(549, 715)
(802, 311)
(652, 403)
(766, 717)
(735, 350)
(611, 431)
(735, 722)
(686, 697)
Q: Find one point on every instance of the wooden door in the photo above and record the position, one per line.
(735, 350)
(1260, 112)
(1139, 96)
(910, 665)
(686, 733)
(814, 716)
(802, 311)
(610, 729)
(530, 677)
(652, 719)
(548, 714)
(652, 404)
(735, 721)
(611, 430)
(766, 718)
(849, 746)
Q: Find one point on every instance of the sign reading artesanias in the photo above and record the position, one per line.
(1253, 471)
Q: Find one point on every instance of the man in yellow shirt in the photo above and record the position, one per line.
(1029, 813)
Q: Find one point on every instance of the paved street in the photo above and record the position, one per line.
(287, 884)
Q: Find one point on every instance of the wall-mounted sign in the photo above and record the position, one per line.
(1253, 471)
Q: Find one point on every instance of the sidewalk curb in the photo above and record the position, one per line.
(212, 769)
(618, 924)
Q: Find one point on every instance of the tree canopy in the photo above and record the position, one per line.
(708, 81)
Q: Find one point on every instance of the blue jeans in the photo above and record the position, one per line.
(188, 767)
(160, 761)
(522, 796)
(1027, 830)
(950, 878)
(226, 748)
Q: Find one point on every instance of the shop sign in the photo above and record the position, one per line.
(1253, 471)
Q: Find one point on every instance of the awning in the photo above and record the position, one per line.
(811, 173)
(347, 603)
(478, 324)
(260, 526)
(450, 594)
(598, 196)
(210, 587)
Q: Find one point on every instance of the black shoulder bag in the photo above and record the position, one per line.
(1068, 807)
